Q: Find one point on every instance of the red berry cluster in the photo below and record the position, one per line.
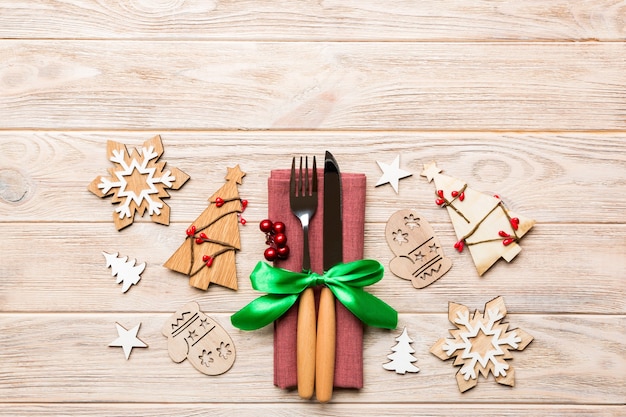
(276, 239)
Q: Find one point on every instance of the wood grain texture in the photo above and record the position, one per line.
(326, 20)
(312, 85)
(523, 98)
(542, 175)
(50, 371)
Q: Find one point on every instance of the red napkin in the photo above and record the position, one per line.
(349, 348)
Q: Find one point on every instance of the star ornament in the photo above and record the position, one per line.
(392, 173)
(127, 339)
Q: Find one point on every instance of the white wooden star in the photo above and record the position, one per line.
(392, 173)
(127, 339)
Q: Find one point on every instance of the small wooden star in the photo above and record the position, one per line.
(127, 339)
(392, 173)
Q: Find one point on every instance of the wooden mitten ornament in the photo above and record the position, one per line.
(193, 335)
(481, 221)
(419, 255)
(481, 344)
(138, 182)
(208, 252)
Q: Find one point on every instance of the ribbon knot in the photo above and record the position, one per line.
(346, 281)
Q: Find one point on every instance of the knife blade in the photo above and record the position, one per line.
(333, 254)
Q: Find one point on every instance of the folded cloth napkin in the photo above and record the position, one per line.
(349, 339)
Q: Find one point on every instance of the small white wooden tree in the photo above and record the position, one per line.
(402, 358)
(127, 272)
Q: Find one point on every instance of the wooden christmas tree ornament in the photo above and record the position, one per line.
(401, 360)
(481, 343)
(481, 221)
(208, 252)
(138, 182)
(126, 271)
(193, 335)
(419, 256)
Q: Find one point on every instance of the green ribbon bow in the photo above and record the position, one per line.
(344, 280)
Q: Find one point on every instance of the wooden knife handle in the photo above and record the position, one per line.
(305, 342)
(325, 351)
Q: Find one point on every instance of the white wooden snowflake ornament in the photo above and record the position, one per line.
(138, 182)
(481, 343)
(127, 272)
(392, 173)
(127, 339)
(402, 357)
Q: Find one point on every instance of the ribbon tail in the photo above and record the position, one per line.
(370, 309)
(262, 311)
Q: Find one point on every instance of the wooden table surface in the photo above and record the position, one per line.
(526, 98)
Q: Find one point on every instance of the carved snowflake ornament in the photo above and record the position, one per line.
(138, 182)
(481, 343)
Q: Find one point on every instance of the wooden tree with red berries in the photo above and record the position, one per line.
(208, 252)
(481, 221)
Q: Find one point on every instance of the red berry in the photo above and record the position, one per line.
(459, 245)
(209, 261)
(270, 254)
(203, 235)
(462, 196)
(191, 231)
(283, 252)
(278, 227)
(205, 258)
(199, 240)
(265, 226)
(440, 201)
(515, 223)
(454, 193)
(219, 201)
(440, 193)
(502, 233)
(507, 242)
(243, 221)
(280, 239)
(244, 204)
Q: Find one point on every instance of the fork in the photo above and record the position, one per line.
(303, 202)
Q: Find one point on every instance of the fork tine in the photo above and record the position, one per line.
(292, 179)
(300, 182)
(306, 177)
(314, 186)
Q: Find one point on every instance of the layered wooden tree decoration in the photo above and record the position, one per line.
(481, 221)
(138, 182)
(419, 256)
(194, 336)
(208, 252)
(401, 360)
(481, 343)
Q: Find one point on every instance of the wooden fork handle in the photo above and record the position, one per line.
(305, 344)
(325, 351)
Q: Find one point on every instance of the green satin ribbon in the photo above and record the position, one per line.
(344, 280)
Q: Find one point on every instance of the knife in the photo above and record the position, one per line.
(333, 254)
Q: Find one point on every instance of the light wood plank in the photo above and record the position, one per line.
(356, 86)
(306, 409)
(70, 361)
(309, 20)
(553, 178)
(59, 267)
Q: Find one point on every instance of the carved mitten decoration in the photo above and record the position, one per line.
(418, 254)
(195, 336)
